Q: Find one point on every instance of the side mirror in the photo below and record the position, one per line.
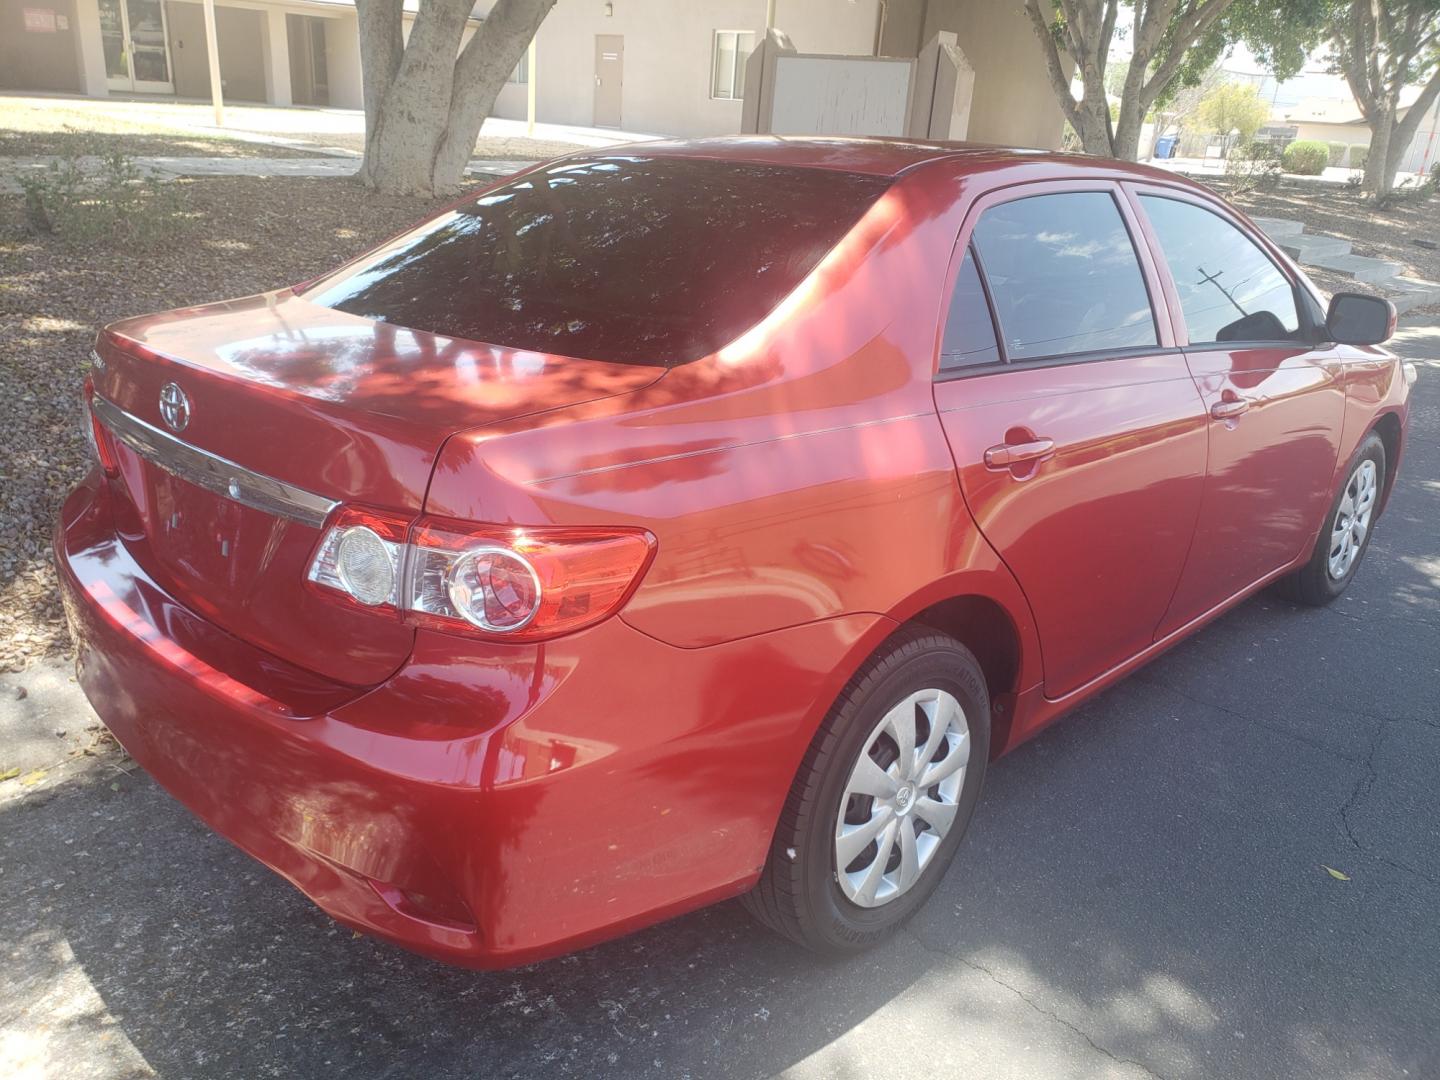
(1359, 319)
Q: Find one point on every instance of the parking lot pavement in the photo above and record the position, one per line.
(1146, 892)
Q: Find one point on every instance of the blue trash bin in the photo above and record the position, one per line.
(1165, 146)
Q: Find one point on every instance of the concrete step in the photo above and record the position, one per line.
(1358, 267)
(1408, 293)
(1276, 227)
(1307, 248)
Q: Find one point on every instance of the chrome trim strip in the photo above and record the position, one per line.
(211, 472)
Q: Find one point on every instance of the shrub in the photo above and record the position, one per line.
(1358, 156)
(89, 199)
(1306, 157)
(1253, 166)
(1337, 153)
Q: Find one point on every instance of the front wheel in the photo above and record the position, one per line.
(882, 799)
(1346, 533)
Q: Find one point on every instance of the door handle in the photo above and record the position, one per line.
(1006, 455)
(1229, 408)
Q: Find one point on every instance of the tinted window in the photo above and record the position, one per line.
(969, 330)
(1229, 289)
(1063, 276)
(628, 259)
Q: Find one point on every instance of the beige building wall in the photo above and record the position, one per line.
(669, 47)
(1014, 104)
(1349, 134)
(342, 61)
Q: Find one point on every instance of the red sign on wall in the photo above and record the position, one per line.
(39, 20)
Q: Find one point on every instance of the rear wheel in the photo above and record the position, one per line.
(1346, 533)
(882, 799)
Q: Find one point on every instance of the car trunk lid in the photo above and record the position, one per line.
(289, 409)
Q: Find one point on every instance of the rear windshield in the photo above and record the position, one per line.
(629, 259)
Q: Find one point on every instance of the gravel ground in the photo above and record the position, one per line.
(244, 235)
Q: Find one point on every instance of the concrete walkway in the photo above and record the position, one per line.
(171, 168)
(1334, 254)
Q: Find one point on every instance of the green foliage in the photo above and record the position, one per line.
(1337, 153)
(106, 198)
(1358, 156)
(1116, 72)
(1306, 157)
(1253, 167)
(1234, 107)
(1280, 34)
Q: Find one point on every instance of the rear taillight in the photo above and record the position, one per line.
(98, 437)
(495, 581)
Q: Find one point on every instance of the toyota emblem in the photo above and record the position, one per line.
(174, 407)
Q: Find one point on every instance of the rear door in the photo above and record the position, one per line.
(1077, 430)
(1275, 399)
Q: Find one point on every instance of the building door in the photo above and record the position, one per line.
(134, 38)
(309, 74)
(609, 78)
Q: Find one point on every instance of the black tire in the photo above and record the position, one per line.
(1314, 585)
(799, 894)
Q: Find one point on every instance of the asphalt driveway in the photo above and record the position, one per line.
(1147, 891)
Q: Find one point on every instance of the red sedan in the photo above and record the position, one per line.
(697, 520)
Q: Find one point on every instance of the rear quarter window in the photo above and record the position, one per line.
(633, 260)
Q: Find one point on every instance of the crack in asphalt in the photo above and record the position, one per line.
(1366, 781)
(1049, 1014)
(1314, 744)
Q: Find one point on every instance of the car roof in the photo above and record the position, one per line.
(878, 156)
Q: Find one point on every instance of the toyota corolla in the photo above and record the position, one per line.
(699, 520)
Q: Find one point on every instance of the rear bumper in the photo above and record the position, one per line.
(487, 805)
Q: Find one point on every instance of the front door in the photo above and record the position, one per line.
(133, 37)
(1078, 433)
(1275, 401)
(609, 78)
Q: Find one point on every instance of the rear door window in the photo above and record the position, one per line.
(633, 260)
(1063, 276)
(1229, 289)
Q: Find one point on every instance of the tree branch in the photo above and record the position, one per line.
(1406, 127)
(1194, 24)
(379, 24)
(1053, 67)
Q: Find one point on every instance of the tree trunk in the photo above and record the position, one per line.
(1127, 130)
(480, 74)
(1376, 181)
(1403, 132)
(1092, 123)
(424, 105)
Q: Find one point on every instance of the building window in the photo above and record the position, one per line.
(732, 49)
(521, 74)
